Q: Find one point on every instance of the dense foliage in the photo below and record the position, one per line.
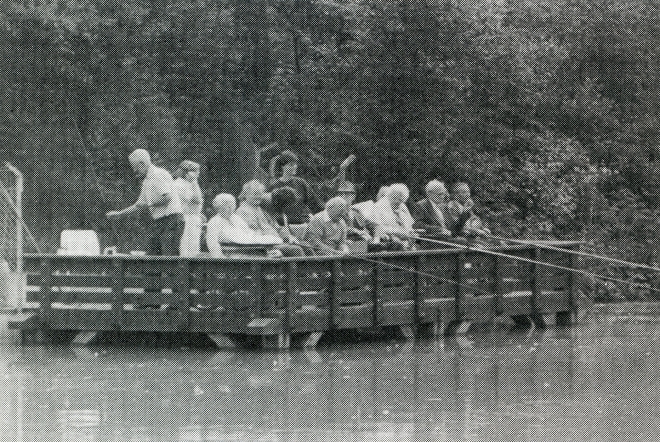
(548, 108)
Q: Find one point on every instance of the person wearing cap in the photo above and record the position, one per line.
(191, 198)
(307, 202)
(358, 235)
(160, 197)
(326, 233)
(431, 213)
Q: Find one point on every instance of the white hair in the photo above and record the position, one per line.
(399, 189)
(140, 155)
(435, 186)
(223, 200)
(336, 202)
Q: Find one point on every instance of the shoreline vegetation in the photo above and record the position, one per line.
(549, 110)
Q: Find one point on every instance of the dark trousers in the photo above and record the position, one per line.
(165, 235)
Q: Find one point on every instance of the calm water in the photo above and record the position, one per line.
(594, 382)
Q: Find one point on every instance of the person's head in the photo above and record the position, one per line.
(436, 191)
(397, 194)
(460, 192)
(346, 190)
(140, 161)
(337, 208)
(282, 197)
(289, 162)
(224, 204)
(252, 193)
(382, 192)
(188, 170)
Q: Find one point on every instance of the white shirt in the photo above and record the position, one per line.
(158, 182)
(235, 231)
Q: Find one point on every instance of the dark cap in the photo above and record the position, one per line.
(287, 157)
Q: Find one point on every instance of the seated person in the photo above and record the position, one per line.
(226, 227)
(392, 218)
(275, 203)
(431, 214)
(326, 233)
(260, 221)
(306, 203)
(461, 210)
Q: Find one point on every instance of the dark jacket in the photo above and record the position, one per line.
(426, 218)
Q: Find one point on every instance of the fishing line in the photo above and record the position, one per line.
(577, 252)
(532, 261)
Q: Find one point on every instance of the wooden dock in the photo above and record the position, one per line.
(293, 301)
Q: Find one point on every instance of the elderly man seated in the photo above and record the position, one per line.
(392, 218)
(461, 211)
(227, 228)
(326, 233)
(262, 222)
(432, 214)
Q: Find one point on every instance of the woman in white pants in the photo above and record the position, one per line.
(191, 198)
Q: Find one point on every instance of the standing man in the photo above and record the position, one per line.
(159, 195)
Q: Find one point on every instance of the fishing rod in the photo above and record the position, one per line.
(536, 262)
(576, 252)
(395, 266)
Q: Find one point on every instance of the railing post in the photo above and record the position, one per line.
(290, 298)
(45, 298)
(497, 284)
(255, 268)
(418, 298)
(377, 292)
(335, 295)
(183, 290)
(460, 289)
(572, 282)
(536, 279)
(118, 291)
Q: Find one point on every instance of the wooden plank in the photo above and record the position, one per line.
(377, 290)
(393, 294)
(398, 313)
(459, 289)
(355, 316)
(361, 296)
(45, 298)
(291, 294)
(517, 303)
(536, 286)
(335, 293)
(496, 281)
(118, 292)
(553, 301)
(350, 281)
(417, 290)
(23, 321)
(257, 288)
(480, 308)
(182, 300)
(312, 319)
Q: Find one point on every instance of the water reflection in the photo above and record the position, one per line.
(593, 382)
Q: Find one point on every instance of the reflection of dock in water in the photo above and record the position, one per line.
(294, 301)
(431, 390)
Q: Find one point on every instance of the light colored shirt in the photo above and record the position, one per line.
(157, 183)
(234, 230)
(257, 219)
(326, 235)
(190, 195)
(389, 221)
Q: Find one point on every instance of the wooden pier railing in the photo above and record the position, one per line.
(287, 300)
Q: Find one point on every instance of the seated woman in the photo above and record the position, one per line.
(260, 221)
(227, 228)
(392, 218)
(326, 233)
(432, 214)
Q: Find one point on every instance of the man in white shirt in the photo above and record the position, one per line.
(160, 197)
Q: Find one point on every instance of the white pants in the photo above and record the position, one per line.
(192, 233)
